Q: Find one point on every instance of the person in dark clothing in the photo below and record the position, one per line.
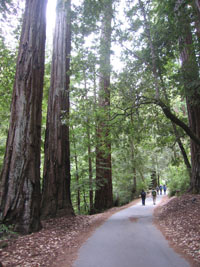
(153, 193)
(143, 196)
(161, 188)
(165, 189)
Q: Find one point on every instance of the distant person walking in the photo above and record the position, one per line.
(161, 188)
(154, 194)
(165, 189)
(143, 196)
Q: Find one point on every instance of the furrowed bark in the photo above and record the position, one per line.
(20, 177)
(56, 199)
(191, 82)
(103, 195)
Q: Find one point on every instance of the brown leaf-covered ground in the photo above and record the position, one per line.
(57, 244)
(179, 220)
(47, 246)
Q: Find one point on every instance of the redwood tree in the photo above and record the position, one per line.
(20, 177)
(190, 73)
(103, 196)
(56, 179)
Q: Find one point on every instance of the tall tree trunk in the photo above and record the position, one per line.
(91, 195)
(56, 199)
(85, 201)
(134, 188)
(158, 181)
(20, 177)
(103, 196)
(191, 84)
(90, 168)
(90, 171)
(77, 173)
(134, 181)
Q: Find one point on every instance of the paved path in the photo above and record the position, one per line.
(129, 239)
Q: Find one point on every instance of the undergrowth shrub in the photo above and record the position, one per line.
(178, 180)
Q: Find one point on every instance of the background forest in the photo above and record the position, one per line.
(127, 117)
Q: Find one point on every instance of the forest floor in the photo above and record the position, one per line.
(57, 244)
(178, 219)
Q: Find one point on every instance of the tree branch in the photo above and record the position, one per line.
(166, 110)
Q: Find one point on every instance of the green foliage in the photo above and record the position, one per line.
(143, 140)
(9, 36)
(178, 180)
(11, 21)
(7, 232)
(7, 74)
(6, 7)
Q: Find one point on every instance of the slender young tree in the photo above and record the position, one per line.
(90, 167)
(56, 199)
(132, 148)
(103, 196)
(20, 177)
(78, 196)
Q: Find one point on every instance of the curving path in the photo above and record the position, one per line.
(129, 239)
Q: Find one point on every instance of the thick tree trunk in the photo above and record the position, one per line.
(20, 177)
(103, 196)
(56, 198)
(194, 115)
(191, 84)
